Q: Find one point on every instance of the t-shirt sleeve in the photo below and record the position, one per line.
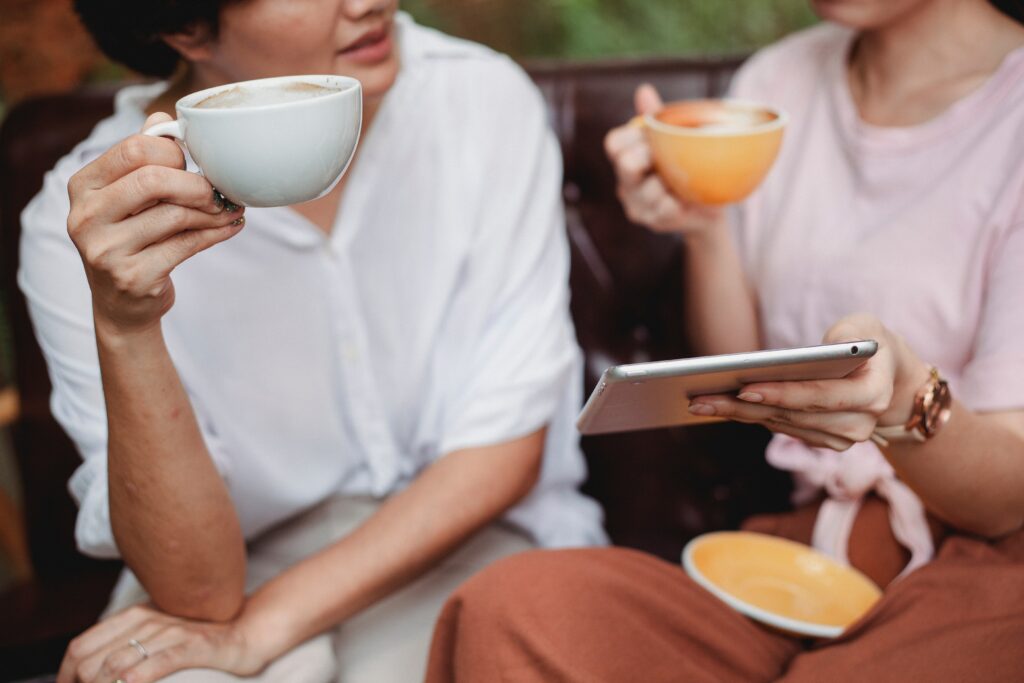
(752, 81)
(993, 379)
(512, 346)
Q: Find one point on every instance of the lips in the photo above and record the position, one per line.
(372, 46)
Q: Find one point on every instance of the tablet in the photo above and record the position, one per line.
(650, 395)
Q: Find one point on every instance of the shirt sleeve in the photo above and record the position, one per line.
(510, 326)
(53, 280)
(993, 379)
(54, 284)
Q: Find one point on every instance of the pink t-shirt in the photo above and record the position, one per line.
(921, 226)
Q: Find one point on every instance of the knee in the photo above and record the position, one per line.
(515, 588)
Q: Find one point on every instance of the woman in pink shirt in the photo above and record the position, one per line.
(895, 212)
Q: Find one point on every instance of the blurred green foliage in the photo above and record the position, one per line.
(596, 29)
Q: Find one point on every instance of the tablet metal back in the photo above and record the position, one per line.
(650, 395)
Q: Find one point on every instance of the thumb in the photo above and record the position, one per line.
(647, 99)
(856, 327)
(155, 118)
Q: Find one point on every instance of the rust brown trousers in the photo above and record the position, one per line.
(613, 614)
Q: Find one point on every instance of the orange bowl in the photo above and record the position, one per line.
(783, 584)
(714, 152)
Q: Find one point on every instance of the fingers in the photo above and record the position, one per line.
(162, 221)
(139, 190)
(167, 255)
(120, 252)
(117, 661)
(855, 327)
(840, 429)
(175, 647)
(629, 153)
(128, 155)
(647, 99)
(165, 662)
(667, 214)
(867, 393)
(87, 652)
(629, 136)
(650, 203)
(144, 277)
(171, 649)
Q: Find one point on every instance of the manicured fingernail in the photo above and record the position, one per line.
(218, 200)
(702, 409)
(239, 221)
(231, 206)
(750, 397)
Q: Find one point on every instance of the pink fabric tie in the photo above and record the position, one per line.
(847, 477)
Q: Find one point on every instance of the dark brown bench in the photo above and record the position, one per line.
(658, 488)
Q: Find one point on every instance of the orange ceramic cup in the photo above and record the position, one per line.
(713, 151)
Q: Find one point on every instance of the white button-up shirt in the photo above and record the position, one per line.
(433, 318)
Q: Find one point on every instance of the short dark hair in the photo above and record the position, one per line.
(129, 31)
(1012, 8)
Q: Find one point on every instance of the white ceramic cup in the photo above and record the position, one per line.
(271, 154)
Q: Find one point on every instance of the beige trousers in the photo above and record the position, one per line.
(385, 643)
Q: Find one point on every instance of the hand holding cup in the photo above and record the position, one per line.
(676, 162)
(136, 214)
(645, 197)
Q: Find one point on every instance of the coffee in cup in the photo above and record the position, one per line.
(242, 95)
(273, 141)
(713, 152)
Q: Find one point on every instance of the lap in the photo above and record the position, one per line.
(597, 615)
(616, 614)
(311, 662)
(390, 641)
(957, 618)
(386, 643)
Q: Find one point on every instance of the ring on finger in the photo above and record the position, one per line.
(140, 648)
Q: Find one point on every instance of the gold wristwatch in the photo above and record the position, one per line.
(932, 405)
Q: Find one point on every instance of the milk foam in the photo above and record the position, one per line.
(262, 96)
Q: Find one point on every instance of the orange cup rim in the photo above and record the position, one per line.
(780, 120)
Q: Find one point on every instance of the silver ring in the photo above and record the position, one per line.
(140, 648)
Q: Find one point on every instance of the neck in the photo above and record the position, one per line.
(934, 42)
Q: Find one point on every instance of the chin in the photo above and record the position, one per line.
(863, 15)
(377, 85)
(376, 80)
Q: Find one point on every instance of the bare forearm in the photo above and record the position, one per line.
(171, 514)
(721, 310)
(453, 499)
(971, 473)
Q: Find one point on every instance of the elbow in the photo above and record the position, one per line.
(529, 475)
(211, 592)
(214, 603)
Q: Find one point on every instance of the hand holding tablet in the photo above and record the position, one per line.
(651, 395)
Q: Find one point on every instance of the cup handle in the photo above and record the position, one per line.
(168, 129)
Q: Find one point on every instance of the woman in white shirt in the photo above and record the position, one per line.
(301, 441)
